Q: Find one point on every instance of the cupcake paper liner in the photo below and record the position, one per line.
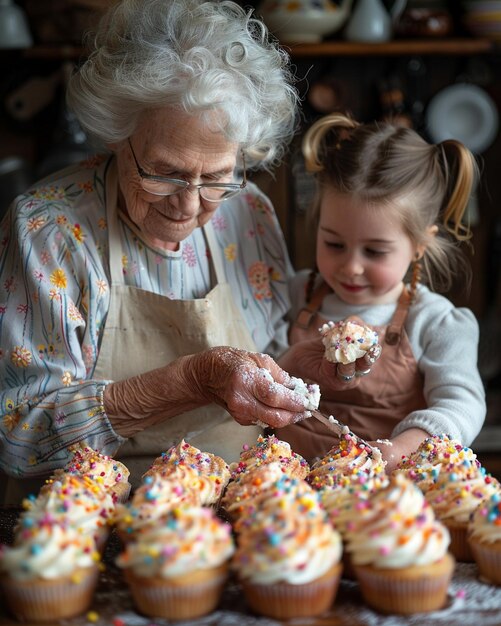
(187, 597)
(48, 600)
(121, 492)
(410, 590)
(488, 559)
(348, 571)
(285, 601)
(459, 546)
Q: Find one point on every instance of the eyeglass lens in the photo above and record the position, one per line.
(166, 188)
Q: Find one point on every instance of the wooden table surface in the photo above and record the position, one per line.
(470, 601)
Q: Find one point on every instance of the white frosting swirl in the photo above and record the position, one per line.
(485, 524)
(397, 529)
(153, 500)
(457, 493)
(72, 500)
(288, 538)
(190, 538)
(48, 551)
(346, 341)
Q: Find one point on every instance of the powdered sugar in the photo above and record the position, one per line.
(310, 392)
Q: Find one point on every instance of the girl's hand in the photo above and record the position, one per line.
(361, 367)
(392, 450)
(305, 359)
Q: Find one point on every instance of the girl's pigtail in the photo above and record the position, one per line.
(312, 146)
(417, 271)
(460, 171)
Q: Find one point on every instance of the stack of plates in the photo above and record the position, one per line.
(483, 18)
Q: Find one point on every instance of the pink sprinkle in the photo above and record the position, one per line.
(461, 594)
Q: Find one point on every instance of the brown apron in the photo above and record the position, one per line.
(372, 409)
(144, 331)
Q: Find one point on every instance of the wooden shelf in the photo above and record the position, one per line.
(62, 52)
(397, 47)
(458, 46)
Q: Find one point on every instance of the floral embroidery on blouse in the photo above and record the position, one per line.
(55, 295)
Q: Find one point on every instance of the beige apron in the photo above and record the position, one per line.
(392, 390)
(144, 331)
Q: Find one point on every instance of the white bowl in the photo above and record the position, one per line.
(464, 112)
(303, 26)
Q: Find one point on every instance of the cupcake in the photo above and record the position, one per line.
(424, 464)
(399, 551)
(269, 449)
(73, 500)
(288, 554)
(348, 457)
(178, 568)
(484, 535)
(50, 573)
(207, 465)
(457, 491)
(242, 494)
(100, 468)
(155, 499)
(346, 341)
(344, 500)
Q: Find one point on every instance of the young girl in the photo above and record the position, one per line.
(389, 212)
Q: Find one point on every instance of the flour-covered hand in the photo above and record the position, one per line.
(251, 386)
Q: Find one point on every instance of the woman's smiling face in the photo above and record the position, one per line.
(175, 145)
(363, 252)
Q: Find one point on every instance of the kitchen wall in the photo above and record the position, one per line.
(37, 134)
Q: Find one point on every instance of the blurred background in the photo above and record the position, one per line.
(434, 65)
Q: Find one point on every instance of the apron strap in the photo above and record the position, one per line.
(215, 252)
(114, 253)
(307, 313)
(394, 329)
(115, 256)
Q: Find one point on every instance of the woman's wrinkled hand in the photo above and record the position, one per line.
(249, 385)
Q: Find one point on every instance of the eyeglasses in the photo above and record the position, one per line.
(212, 192)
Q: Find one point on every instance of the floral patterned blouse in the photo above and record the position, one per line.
(54, 298)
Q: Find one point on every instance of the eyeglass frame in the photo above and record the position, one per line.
(184, 184)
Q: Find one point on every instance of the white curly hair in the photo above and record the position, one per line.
(199, 57)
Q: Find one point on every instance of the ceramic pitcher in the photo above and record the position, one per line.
(371, 22)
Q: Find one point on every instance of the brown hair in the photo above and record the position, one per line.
(392, 167)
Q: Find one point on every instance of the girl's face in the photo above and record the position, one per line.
(363, 252)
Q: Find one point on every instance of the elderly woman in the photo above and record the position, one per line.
(140, 289)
